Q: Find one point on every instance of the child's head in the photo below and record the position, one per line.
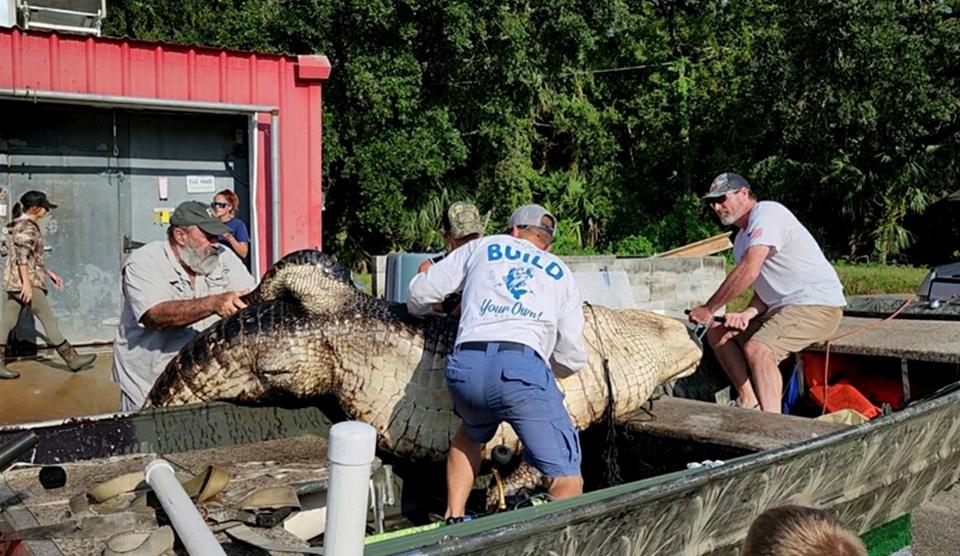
(800, 531)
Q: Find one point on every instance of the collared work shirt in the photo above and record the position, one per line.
(24, 247)
(152, 275)
(512, 291)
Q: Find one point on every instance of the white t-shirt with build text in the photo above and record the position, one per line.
(795, 272)
(512, 291)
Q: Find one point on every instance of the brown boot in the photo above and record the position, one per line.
(73, 359)
(6, 373)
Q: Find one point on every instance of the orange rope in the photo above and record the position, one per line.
(851, 332)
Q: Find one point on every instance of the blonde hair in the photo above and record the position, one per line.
(800, 531)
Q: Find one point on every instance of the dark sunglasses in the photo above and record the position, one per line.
(219, 205)
(719, 200)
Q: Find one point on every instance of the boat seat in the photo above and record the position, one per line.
(710, 423)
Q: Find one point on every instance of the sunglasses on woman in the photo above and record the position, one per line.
(219, 205)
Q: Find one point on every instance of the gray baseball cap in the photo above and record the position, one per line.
(532, 215)
(724, 183)
(194, 213)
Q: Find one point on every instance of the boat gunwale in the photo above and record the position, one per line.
(475, 535)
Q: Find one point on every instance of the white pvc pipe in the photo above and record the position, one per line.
(350, 451)
(275, 185)
(192, 530)
(253, 133)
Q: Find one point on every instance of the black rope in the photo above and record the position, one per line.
(611, 452)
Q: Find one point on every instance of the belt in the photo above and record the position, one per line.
(501, 346)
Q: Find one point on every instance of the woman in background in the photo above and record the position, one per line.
(25, 281)
(225, 205)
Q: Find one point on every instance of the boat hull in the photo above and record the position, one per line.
(867, 475)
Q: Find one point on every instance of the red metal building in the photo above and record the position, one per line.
(101, 71)
(118, 132)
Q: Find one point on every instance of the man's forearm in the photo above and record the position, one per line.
(735, 284)
(178, 314)
(238, 246)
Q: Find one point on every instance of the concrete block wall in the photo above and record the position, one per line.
(663, 284)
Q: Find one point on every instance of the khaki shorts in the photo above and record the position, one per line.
(792, 328)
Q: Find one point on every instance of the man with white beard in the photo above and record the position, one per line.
(797, 301)
(173, 289)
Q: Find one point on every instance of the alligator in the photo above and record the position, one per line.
(309, 331)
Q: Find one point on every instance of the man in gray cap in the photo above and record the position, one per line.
(520, 309)
(798, 299)
(172, 290)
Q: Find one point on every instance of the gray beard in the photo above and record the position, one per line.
(199, 263)
(728, 220)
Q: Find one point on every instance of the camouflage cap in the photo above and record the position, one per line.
(724, 183)
(463, 219)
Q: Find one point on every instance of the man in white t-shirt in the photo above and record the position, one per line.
(798, 299)
(520, 309)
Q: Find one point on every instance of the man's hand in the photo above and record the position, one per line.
(228, 303)
(701, 315)
(424, 266)
(739, 321)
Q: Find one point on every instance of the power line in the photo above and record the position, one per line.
(612, 70)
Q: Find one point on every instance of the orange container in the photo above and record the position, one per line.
(880, 389)
(843, 396)
(841, 366)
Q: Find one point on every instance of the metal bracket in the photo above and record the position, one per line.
(905, 380)
(130, 244)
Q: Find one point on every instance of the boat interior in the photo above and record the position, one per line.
(686, 424)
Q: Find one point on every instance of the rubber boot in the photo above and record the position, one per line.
(74, 360)
(6, 373)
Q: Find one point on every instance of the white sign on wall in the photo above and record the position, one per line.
(201, 184)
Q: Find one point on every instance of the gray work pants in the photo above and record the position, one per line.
(39, 306)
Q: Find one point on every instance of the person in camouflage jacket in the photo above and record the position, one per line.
(25, 281)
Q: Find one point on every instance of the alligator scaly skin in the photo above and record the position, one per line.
(309, 331)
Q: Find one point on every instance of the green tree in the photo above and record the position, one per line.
(614, 114)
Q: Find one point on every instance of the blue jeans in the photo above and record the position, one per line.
(517, 387)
